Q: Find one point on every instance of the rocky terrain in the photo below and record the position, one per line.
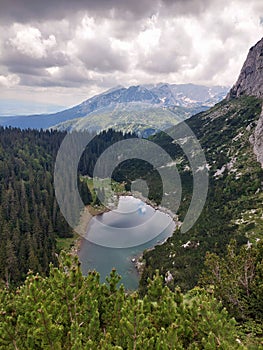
(250, 81)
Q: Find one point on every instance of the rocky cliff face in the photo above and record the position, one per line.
(257, 140)
(250, 81)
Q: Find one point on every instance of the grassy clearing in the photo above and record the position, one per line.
(66, 243)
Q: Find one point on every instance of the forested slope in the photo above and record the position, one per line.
(30, 217)
(233, 208)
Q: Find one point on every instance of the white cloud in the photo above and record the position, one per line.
(29, 41)
(148, 38)
(202, 42)
(52, 70)
(9, 80)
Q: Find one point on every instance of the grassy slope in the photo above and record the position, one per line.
(129, 120)
(234, 203)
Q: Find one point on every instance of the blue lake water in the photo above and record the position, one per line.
(115, 238)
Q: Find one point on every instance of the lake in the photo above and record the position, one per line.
(116, 238)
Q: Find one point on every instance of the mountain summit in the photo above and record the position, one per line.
(158, 106)
(250, 81)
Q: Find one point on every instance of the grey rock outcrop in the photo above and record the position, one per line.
(257, 140)
(250, 81)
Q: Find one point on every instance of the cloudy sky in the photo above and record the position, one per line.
(63, 52)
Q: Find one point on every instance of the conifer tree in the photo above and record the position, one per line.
(70, 311)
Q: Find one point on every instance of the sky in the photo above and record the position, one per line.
(63, 52)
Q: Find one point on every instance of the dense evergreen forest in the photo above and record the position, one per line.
(29, 215)
(30, 218)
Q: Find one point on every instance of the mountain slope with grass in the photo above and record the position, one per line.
(233, 207)
(230, 134)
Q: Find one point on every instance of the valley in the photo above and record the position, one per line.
(68, 208)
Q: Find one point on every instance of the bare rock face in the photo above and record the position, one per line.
(257, 140)
(250, 81)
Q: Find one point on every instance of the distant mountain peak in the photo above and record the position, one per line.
(250, 80)
(114, 88)
(162, 103)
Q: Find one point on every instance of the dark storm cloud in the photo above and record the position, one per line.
(42, 81)
(28, 10)
(67, 77)
(99, 56)
(22, 64)
(186, 7)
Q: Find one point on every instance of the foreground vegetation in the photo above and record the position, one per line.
(67, 310)
(70, 311)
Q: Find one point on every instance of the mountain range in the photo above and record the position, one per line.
(142, 108)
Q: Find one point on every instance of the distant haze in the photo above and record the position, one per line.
(18, 107)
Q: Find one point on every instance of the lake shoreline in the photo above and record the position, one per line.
(137, 260)
(84, 224)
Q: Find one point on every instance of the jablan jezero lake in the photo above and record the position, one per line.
(123, 234)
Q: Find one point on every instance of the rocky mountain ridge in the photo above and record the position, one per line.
(173, 102)
(257, 139)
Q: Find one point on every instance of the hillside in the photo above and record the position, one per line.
(233, 207)
(230, 134)
(144, 119)
(32, 229)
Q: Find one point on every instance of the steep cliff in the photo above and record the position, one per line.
(257, 140)
(250, 81)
